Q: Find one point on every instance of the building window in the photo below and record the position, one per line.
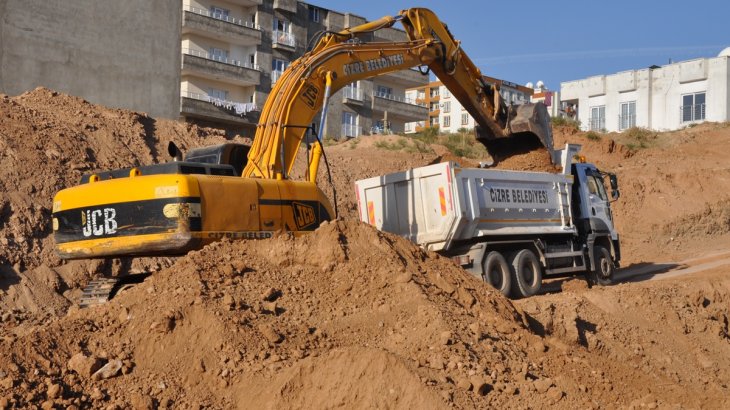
(434, 106)
(465, 118)
(421, 95)
(627, 118)
(446, 93)
(314, 14)
(219, 13)
(434, 92)
(218, 94)
(383, 91)
(597, 121)
(447, 121)
(282, 25)
(447, 106)
(277, 68)
(433, 121)
(693, 107)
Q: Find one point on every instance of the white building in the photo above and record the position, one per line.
(658, 98)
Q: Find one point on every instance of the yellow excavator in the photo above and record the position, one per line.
(235, 191)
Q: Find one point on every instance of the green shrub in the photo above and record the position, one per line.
(593, 136)
(567, 122)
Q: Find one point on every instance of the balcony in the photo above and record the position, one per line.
(247, 3)
(351, 95)
(286, 5)
(283, 40)
(235, 72)
(351, 130)
(205, 107)
(399, 107)
(224, 28)
(409, 78)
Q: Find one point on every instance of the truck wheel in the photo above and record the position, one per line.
(496, 272)
(603, 273)
(526, 273)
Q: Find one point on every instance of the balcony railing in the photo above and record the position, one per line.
(597, 124)
(220, 59)
(284, 38)
(238, 107)
(626, 121)
(350, 130)
(222, 17)
(352, 93)
(694, 112)
(392, 97)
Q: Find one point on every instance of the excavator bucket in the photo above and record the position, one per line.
(527, 128)
(532, 118)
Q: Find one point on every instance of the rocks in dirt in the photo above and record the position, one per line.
(109, 370)
(54, 391)
(270, 334)
(542, 385)
(84, 365)
(142, 402)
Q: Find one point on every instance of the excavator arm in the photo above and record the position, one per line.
(339, 59)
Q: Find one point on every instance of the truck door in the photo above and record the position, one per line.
(597, 202)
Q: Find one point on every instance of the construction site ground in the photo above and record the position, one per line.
(350, 317)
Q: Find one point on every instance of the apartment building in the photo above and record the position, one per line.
(659, 98)
(234, 51)
(446, 112)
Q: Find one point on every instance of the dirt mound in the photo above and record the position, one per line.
(672, 336)
(47, 141)
(347, 300)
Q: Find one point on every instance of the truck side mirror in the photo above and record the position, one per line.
(613, 181)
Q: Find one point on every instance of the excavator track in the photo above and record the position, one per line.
(100, 291)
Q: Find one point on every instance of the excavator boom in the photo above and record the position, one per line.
(173, 208)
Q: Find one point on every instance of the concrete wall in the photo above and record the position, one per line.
(118, 53)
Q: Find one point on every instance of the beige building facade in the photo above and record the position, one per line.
(233, 52)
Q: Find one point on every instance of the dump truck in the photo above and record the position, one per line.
(511, 228)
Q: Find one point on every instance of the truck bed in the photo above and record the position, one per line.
(437, 205)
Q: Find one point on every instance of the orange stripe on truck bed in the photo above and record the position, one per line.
(442, 199)
(371, 213)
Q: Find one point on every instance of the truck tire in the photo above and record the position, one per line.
(497, 273)
(526, 274)
(602, 275)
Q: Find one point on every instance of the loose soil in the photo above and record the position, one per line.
(348, 316)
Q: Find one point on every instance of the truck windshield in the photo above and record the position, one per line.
(595, 187)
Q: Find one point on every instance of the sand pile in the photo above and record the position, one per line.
(247, 323)
(47, 141)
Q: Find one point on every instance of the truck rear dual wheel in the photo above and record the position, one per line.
(602, 275)
(497, 273)
(526, 274)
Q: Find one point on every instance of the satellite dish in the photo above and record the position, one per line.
(725, 52)
(540, 84)
(529, 85)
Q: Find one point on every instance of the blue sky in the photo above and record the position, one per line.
(557, 41)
